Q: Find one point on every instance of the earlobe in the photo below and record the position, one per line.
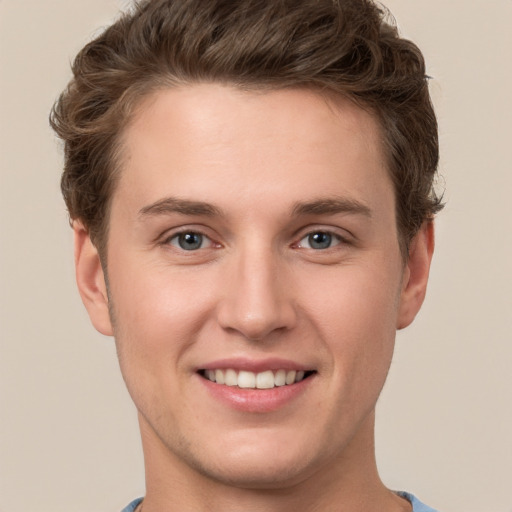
(91, 280)
(416, 274)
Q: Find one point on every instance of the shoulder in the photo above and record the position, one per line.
(417, 505)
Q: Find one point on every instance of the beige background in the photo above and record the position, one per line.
(68, 433)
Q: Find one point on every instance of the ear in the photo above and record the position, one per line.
(90, 280)
(415, 278)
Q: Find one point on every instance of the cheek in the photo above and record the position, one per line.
(154, 296)
(356, 319)
(155, 322)
(158, 314)
(357, 298)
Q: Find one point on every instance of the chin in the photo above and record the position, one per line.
(257, 474)
(255, 465)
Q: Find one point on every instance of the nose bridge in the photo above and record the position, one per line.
(256, 301)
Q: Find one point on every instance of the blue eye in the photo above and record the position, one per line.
(319, 240)
(189, 241)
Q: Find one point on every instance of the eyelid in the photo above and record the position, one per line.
(174, 240)
(335, 238)
(344, 236)
(168, 235)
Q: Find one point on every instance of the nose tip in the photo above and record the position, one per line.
(257, 302)
(257, 326)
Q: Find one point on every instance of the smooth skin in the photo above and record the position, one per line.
(255, 225)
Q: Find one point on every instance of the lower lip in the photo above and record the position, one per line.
(257, 400)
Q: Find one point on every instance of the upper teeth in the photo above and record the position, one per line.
(263, 380)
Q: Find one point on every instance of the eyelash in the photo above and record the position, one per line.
(176, 236)
(333, 240)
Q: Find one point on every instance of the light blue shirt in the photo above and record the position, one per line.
(417, 506)
(132, 506)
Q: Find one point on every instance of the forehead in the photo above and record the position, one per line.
(212, 142)
(211, 108)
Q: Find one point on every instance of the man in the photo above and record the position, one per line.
(250, 188)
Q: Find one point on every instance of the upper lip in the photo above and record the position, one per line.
(255, 365)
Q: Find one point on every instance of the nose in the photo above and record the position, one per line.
(257, 298)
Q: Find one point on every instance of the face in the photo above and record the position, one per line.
(255, 280)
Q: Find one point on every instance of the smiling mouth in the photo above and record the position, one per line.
(250, 380)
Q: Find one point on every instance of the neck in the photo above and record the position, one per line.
(347, 482)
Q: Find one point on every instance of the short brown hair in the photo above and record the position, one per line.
(344, 46)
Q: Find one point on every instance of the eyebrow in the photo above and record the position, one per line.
(170, 205)
(322, 206)
(331, 206)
